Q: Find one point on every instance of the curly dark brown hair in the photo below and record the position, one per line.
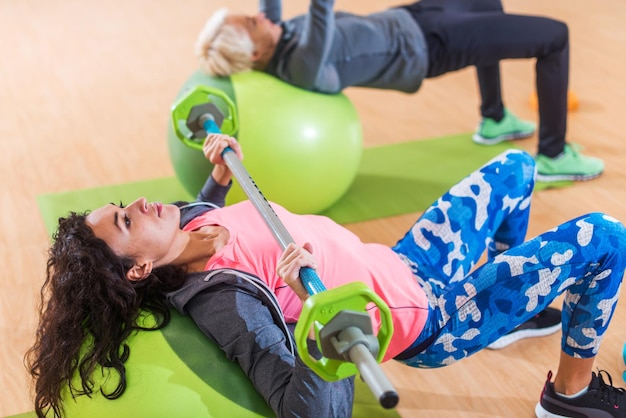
(88, 309)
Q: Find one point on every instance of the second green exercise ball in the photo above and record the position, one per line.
(301, 148)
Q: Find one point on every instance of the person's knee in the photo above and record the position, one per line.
(486, 5)
(464, 6)
(557, 32)
(608, 225)
(523, 157)
(524, 163)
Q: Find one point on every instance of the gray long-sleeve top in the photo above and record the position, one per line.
(327, 51)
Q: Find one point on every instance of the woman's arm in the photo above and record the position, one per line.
(292, 260)
(217, 185)
(244, 329)
(214, 146)
(272, 9)
(307, 61)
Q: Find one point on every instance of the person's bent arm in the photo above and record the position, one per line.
(306, 63)
(213, 147)
(291, 261)
(218, 184)
(243, 327)
(272, 9)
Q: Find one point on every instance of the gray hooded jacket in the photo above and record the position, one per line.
(240, 314)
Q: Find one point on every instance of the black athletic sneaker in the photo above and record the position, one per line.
(602, 399)
(544, 323)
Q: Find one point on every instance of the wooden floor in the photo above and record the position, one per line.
(85, 91)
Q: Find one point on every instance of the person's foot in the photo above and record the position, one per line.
(491, 132)
(569, 165)
(546, 322)
(602, 399)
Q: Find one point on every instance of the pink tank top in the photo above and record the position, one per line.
(341, 258)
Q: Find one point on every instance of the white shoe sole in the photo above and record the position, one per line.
(478, 139)
(542, 413)
(551, 178)
(509, 339)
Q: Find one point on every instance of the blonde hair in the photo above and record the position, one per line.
(223, 49)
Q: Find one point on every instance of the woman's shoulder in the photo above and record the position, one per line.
(214, 281)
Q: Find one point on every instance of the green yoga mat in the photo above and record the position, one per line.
(392, 180)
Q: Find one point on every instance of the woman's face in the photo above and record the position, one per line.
(142, 231)
(262, 31)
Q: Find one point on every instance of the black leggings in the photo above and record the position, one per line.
(460, 33)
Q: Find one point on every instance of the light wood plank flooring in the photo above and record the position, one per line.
(85, 90)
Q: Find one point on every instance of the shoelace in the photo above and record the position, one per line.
(609, 393)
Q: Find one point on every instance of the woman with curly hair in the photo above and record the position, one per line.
(222, 266)
(92, 299)
(89, 299)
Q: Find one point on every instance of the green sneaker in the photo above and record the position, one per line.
(569, 165)
(490, 132)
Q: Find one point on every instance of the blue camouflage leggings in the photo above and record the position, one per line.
(472, 307)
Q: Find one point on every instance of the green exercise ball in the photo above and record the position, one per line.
(178, 372)
(173, 372)
(301, 148)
